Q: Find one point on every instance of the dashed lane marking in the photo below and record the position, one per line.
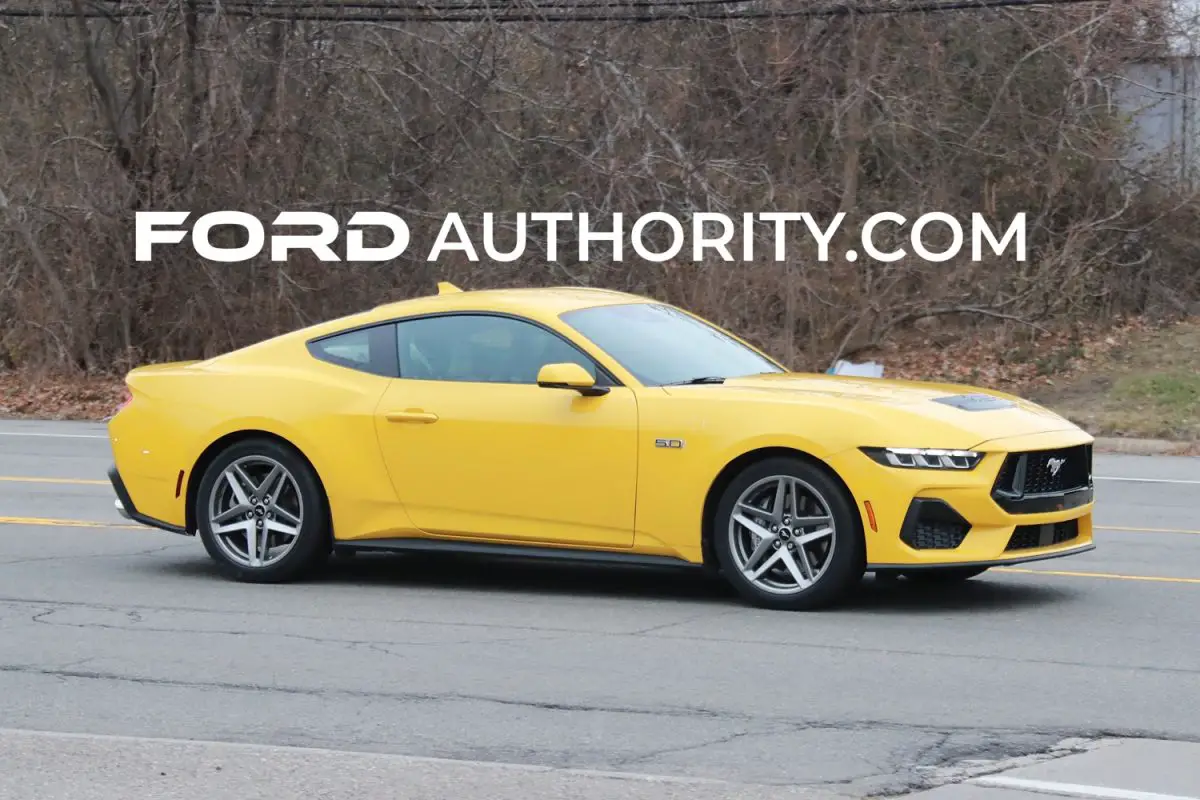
(79, 523)
(68, 481)
(1106, 575)
(69, 523)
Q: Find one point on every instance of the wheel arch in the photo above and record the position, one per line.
(734, 467)
(222, 443)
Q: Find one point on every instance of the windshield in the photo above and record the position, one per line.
(660, 344)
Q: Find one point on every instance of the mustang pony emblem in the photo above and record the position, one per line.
(1055, 464)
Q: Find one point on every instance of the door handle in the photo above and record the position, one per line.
(422, 417)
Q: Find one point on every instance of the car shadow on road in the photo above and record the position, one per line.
(477, 574)
(472, 574)
(982, 594)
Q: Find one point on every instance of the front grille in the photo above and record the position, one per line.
(1074, 470)
(1027, 537)
(1034, 481)
(933, 525)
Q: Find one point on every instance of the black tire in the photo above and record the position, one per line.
(942, 576)
(846, 561)
(313, 542)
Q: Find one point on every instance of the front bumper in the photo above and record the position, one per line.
(993, 562)
(126, 508)
(924, 519)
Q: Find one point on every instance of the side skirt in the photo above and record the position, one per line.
(562, 554)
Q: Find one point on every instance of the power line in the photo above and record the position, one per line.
(663, 11)
(307, 6)
(393, 5)
(325, 6)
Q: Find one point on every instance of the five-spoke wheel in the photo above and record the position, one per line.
(785, 532)
(261, 512)
(785, 535)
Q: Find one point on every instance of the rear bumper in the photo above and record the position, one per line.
(126, 508)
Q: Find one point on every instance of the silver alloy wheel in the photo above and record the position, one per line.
(781, 535)
(255, 511)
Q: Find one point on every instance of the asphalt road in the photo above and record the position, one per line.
(116, 630)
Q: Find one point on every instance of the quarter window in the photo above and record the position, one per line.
(369, 350)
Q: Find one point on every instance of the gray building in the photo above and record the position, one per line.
(1161, 98)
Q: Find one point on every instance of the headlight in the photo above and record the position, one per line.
(924, 458)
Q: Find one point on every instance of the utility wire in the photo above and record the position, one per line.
(308, 6)
(510, 6)
(485, 12)
(397, 5)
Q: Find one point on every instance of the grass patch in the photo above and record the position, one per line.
(1171, 393)
(1149, 387)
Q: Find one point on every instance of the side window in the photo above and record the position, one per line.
(478, 348)
(369, 350)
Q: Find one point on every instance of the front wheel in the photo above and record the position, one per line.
(261, 513)
(785, 536)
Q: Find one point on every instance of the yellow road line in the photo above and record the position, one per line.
(1143, 530)
(80, 523)
(1109, 575)
(93, 482)
(71, 481)
(67, 523)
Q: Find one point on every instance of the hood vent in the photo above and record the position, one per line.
(975, 402)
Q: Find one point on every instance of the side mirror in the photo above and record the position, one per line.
(569, 376)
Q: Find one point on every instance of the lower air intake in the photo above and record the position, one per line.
(933, 525)
(1028, 537)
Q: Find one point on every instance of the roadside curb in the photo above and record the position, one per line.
(1146, 447)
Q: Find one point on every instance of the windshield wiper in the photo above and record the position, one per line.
(697, 381)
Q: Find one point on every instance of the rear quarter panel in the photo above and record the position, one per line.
(323, 410)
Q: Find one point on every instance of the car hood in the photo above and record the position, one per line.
(980, 415)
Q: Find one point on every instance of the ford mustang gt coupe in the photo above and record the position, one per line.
(585, 424)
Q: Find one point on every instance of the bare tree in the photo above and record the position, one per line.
(187, 107)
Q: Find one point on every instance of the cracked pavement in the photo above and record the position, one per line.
(113, 631)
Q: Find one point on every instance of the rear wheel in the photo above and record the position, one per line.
(785, 536)
(262, 514)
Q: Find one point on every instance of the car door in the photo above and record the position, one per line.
(476, 448)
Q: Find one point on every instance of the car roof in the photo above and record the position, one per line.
(534, 301)
(542, 304)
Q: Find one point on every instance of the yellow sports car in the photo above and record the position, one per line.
(587, 424)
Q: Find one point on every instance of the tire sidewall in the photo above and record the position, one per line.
(847, 563)
(311, 545)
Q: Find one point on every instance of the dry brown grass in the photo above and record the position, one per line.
(1129, 379)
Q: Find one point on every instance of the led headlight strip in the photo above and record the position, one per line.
(924, 457)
